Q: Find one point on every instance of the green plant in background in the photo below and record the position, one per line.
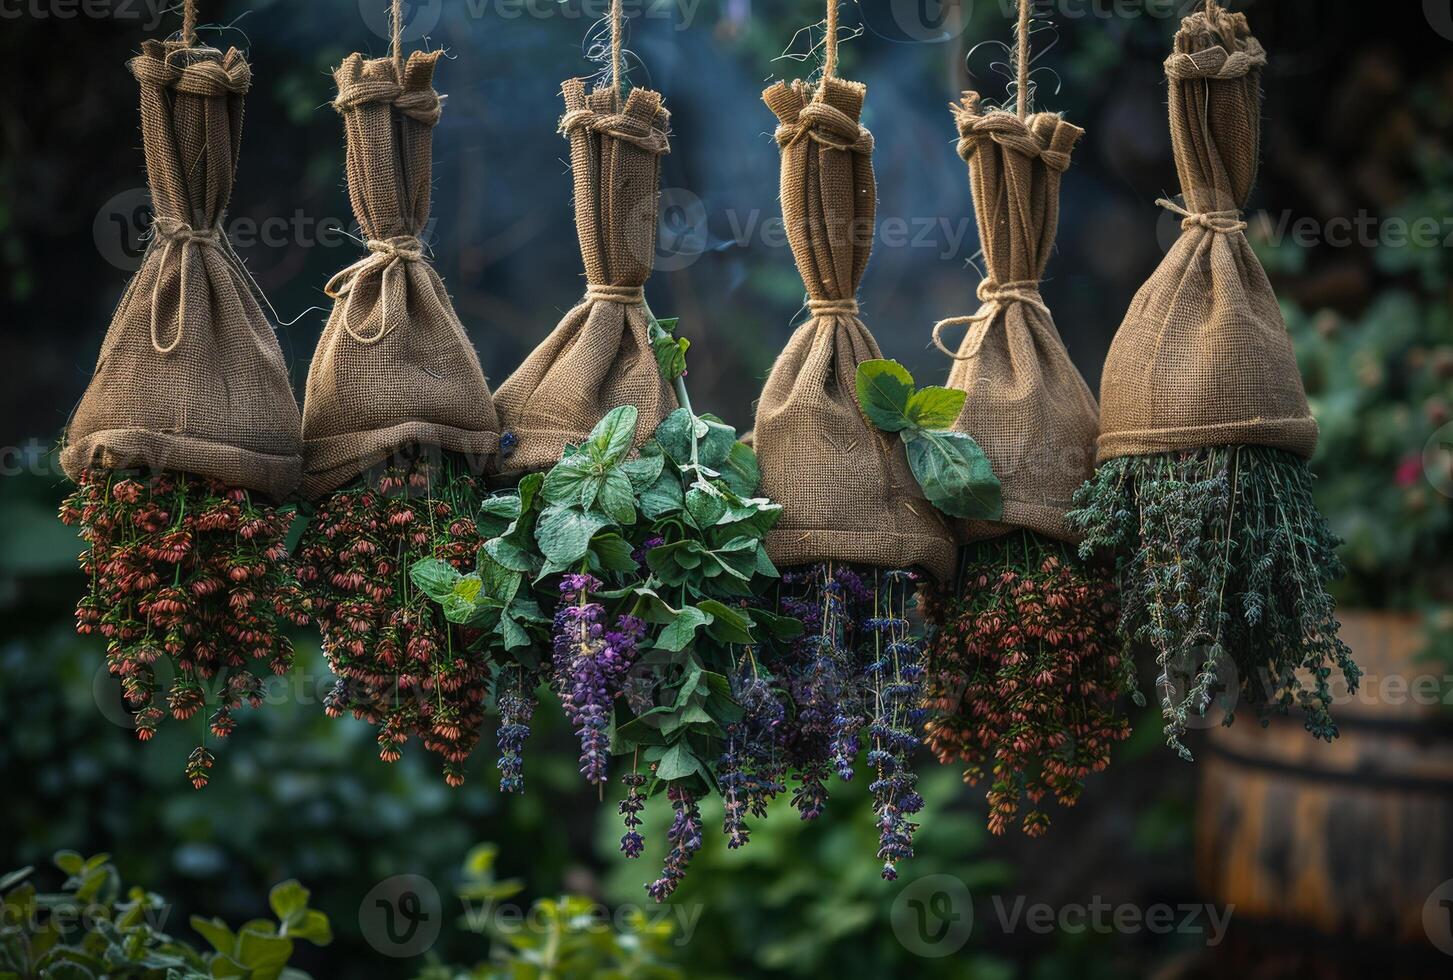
(1381, 386)
(87, 930)
(568, 937)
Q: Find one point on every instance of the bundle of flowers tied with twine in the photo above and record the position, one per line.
(854, 523)
(1022, 680)
(600, 355)
(188, 434)
(398, 425)
(1203, 494)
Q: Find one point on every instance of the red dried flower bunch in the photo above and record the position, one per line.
(400, 664)
(188, 572)
(1024, 675)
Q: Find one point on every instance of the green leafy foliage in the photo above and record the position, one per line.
(88, 930)
(950, 467)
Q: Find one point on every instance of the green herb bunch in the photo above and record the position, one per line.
(1223, 563)
(642, 573)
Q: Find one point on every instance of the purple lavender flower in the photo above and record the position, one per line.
(516, 708)
(590, 664)
(685, 838)
(630, 808)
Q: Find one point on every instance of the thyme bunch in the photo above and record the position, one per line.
(1223, 562)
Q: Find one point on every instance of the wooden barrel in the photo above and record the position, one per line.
(1351, 839)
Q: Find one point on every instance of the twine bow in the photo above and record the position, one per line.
(387, 259)
(1216, 222)
(995, 297)
(180, 235)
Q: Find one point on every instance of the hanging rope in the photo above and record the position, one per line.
(398, 40)
(617, 30)
(829, 67)
(189, 23)
(1021, 93)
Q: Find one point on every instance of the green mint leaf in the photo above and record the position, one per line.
(884, 390)
(434, 577)
(643, 471)
(617, 498)
(671, 355)
(498, 581)
(613, 436)
(955, 475)
(936, 408)
(680, 633)
(740, 471)
(567, 479)
(664, 497)
(612, 553)
(729, 624)
(564, 534)
(677, 763)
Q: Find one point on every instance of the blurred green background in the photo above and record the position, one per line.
(1358, 116)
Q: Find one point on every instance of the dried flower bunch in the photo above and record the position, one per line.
(1223, 572)
(1024, 675)
(187, 573)
(855, 674)
(400, 664)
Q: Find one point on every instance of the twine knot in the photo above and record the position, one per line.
(387, 259)
(174, 233)
(833, 307)
(828, 126)
(625, 126)
(995, 297)
(625, 295)
(1217, 222)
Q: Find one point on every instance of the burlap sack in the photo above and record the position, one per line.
(190, 376)
(1203, 357)
(1027, 405)
(846, 489)
(599, 356)
(394, 367)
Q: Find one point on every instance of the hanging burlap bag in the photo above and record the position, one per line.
(1203, 357)
(1027, 405)
(394, 367)
(599, 357)
(846, 489)
(190, 376)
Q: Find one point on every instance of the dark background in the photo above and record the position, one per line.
(1358, 111)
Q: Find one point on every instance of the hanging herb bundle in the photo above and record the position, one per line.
(856, 525)
(652, 564)
(600, 355)
(1203, 495)
(188, 435)
(398, 423)
(1023, 677)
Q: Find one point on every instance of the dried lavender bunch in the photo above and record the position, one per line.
(400, 664)
(515, 698)
(1024, 673)
(590, 667)
(192, 570)
(751, 770)
(1223, 562)
(685, 837)
(857, 665)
